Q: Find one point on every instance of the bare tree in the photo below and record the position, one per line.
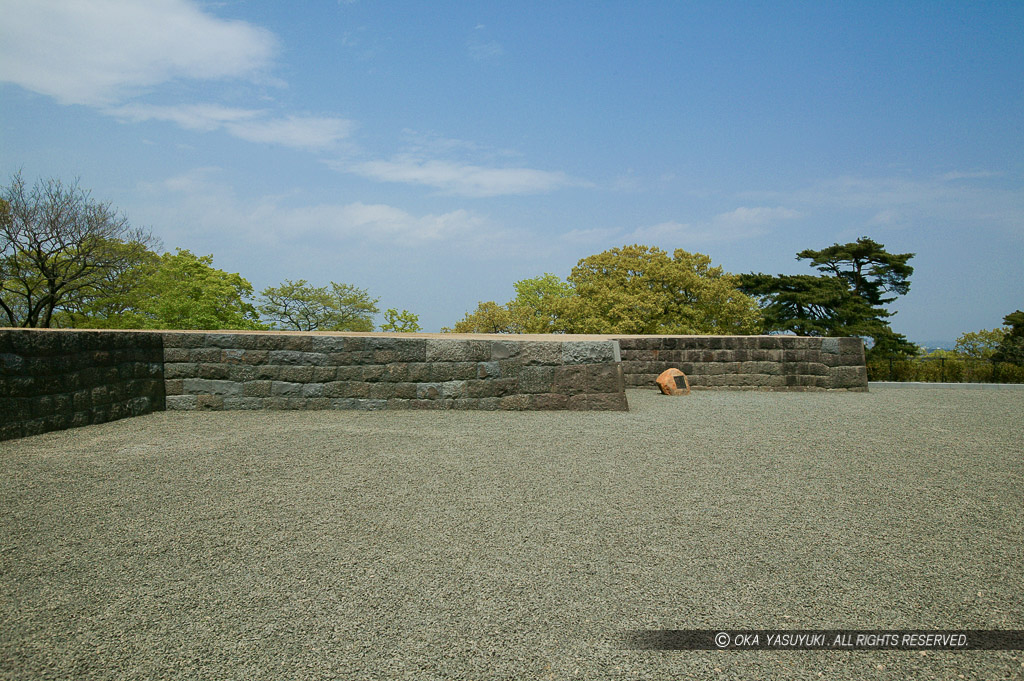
(56, 245)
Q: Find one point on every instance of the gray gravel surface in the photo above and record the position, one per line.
(497, 545)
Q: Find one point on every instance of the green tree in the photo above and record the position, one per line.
(867, 268)
(298, 305)
(401, 322)
(489, 317)
(642, 290)
(57, 247)
(187, 292)
(980, 344)
(541, 305)
(809, 305)
(117, 299)
(1011, 349)
(845, 301)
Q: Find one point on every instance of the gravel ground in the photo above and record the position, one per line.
(483, 545)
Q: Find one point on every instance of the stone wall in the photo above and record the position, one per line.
(52, 380)
(747, 362)
(56, 379)
(291, 371)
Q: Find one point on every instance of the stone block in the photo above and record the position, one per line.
(549, 401)
(396, 372)
(178, 370)
(848, 377)
(452, 371)
(716, 368)
(604, 378)
(175, 386)
(578, 402)
(388, 350)
(373, 372)
(202, 386)
(402, 391)
(284, 403)
(181, 402)
(329, 344)
(176, 354)
(515, 402)
(772, 368)
(418, 372)
(266, 372)
(295, 374)
(536, 379)
(268, 342)
(457, 350)
(504, 349)
(453, 389)
(312, 389)
(851, 346)
(243, 403)
(348, 373)
(352, 358)
(488, 370)
(347, 389)
(246, 356)
(428, 391)
(215, 371)
(297, 358)
(297, 343)
(830, 346)
(589, 352)
(569, 380)
(240, 373)
(540, 352)
(285, 389)
(256, 389)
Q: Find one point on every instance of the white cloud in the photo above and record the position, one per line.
(203, 117)
(740, 223)
(302, 132)
(757, 216)
(201, 202)
(99, 52)
(463, 179)
(904, 203)
(971, 175)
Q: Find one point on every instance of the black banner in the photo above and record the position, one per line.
(823, 639)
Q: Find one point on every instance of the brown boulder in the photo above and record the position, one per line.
(667, 382)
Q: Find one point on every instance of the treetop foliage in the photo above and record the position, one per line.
(67, 260)
(642, 290)
(629, 290)
(1011, 348)
(866, 267)
(338, 307)
(400, 322)
(846, 300)
(57, 245)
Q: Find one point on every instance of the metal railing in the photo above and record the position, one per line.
(943, 370)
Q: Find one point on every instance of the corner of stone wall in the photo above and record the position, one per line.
(56, 379)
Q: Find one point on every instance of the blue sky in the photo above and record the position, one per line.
(435, 153)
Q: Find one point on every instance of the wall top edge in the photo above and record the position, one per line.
(381, 334)
(365, 334)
